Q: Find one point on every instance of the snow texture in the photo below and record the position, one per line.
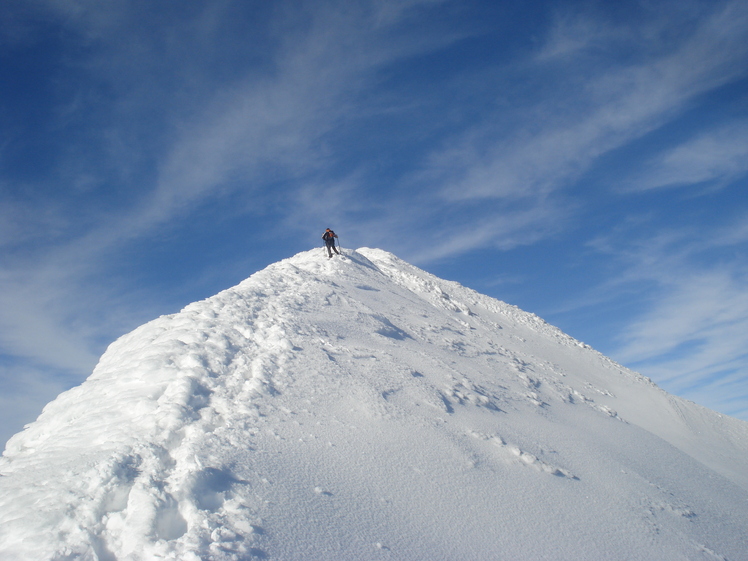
(360, 408)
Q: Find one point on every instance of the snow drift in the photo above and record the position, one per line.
(360, 408)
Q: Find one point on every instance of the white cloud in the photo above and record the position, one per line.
(272, 128)
(693, 341)
(465, 230)
(565, 133)
(696, 309)
(692, 334)
(571, 34)
(718, 156)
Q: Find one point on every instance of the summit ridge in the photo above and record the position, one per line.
(361, 408)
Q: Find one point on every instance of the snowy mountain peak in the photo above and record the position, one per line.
(361, 408)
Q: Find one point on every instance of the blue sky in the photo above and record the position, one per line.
(584, 160)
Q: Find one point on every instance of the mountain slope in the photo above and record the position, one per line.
(360, 408)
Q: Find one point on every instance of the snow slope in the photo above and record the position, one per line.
(360, 408)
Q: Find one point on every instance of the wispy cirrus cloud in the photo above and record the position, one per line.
(715, 157)
(276, 127)
(692, 335)
(693, 340)
(589, 105)
(563, 135)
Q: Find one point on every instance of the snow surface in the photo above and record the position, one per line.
(360, 408)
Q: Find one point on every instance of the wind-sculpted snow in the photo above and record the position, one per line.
(360, 408)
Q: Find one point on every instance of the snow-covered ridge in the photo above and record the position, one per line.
(360, 408)
(418, 280)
